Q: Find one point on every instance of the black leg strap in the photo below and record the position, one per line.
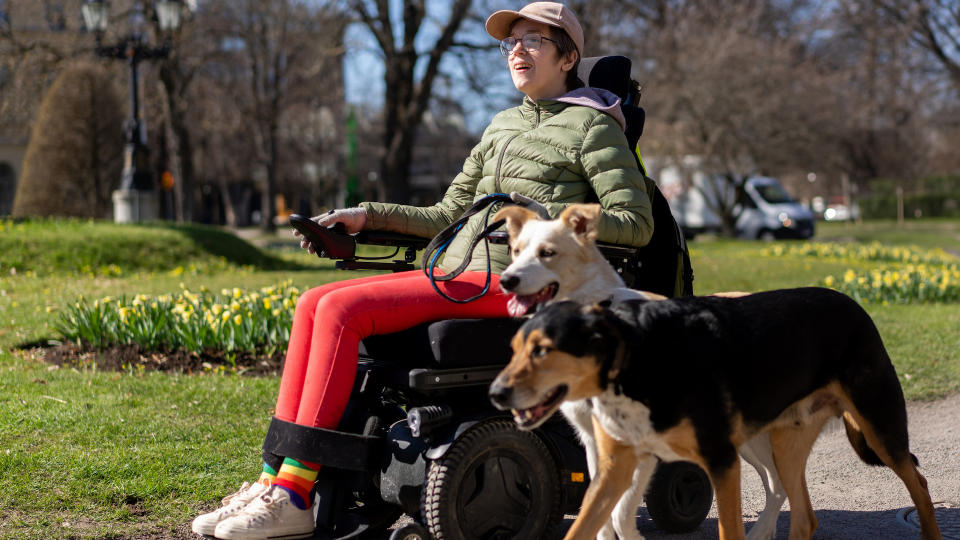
(325, 446)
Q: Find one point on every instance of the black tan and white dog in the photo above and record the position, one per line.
(558, 260)
(694, 378)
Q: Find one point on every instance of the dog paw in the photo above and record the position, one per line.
(624, 532)
(607, 533)
(762, 530)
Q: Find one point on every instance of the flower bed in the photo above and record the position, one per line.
(900, 285)
(909, 275)
(873, 251)
(231, 322)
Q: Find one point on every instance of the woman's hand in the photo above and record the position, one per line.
(353, 220)
(530, 204)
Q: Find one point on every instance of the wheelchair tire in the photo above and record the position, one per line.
(679, 497)
(495, 482)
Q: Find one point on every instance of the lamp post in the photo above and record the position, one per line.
(137, 198)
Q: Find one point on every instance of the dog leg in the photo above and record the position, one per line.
(580, 415)
(615, 465)
(625, 514)
(905, 468)
(759, 454)
(726, 485)
(791, 448)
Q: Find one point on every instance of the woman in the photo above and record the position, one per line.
(564, 144)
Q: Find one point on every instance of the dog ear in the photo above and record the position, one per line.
(515, 216)
(606, 341)
(582, 218)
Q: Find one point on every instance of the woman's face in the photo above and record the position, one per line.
(541, 73)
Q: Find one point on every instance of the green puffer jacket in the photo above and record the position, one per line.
(551, 151)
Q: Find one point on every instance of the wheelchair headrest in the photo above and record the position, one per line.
(612, 73)
(608, 72)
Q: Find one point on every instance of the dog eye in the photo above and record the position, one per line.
(539, 351)
(547, 252)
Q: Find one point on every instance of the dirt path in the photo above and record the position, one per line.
(854, 501)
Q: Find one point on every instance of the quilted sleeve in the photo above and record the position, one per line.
(610, 167)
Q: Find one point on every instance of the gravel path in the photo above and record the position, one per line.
(854, 501)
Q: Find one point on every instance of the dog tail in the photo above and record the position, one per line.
(859, 443)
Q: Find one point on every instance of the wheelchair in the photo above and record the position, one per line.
(421, 437)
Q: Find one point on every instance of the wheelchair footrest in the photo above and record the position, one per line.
(437, 379)
(330, 448)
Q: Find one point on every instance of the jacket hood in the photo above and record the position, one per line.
(596, 98)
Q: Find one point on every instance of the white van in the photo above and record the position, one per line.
(765, 210)
(762, 210)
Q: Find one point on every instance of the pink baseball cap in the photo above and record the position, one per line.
(551, 13)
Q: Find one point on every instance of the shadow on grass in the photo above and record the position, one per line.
(221, 243)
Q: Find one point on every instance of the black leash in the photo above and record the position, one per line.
(442, 240)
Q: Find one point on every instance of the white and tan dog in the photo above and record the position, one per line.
(559, 260)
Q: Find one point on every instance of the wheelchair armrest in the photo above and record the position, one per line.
(616, 251)
(387, 238)
(438, 379)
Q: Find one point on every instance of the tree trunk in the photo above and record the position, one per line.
(406, 99)
(268, 206)
(179, 146)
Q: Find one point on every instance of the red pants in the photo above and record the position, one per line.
(330, 321)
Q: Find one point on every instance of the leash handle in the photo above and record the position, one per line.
(443, 239)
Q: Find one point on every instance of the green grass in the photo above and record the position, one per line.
(89, 454)
(927, 233)
(97, 454)
(47, 247)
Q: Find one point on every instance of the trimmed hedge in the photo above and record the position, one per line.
(924, 197)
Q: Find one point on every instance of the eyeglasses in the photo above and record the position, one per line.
(529, 42)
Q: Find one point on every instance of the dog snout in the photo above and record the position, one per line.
(500, 394)
(508, 283)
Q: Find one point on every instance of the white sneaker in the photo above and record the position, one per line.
(231, 506)
(270, 516)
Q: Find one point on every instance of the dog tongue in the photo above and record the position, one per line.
(518, 305)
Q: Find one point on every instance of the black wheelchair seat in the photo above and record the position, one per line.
(448, 344)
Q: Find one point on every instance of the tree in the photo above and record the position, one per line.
(933, 25)
(75, 153)
(286, 50)
(176, 73)
(35, 42)
(732, 95)
(406, 97)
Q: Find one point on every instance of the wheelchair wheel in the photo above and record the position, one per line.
(679, 497)
(410, 531)
(495, 482)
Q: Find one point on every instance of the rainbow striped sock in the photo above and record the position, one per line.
(268, 476)
(297, 478)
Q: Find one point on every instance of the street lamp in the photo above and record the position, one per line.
(137, 199)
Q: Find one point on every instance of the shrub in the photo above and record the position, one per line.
(74, 157)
